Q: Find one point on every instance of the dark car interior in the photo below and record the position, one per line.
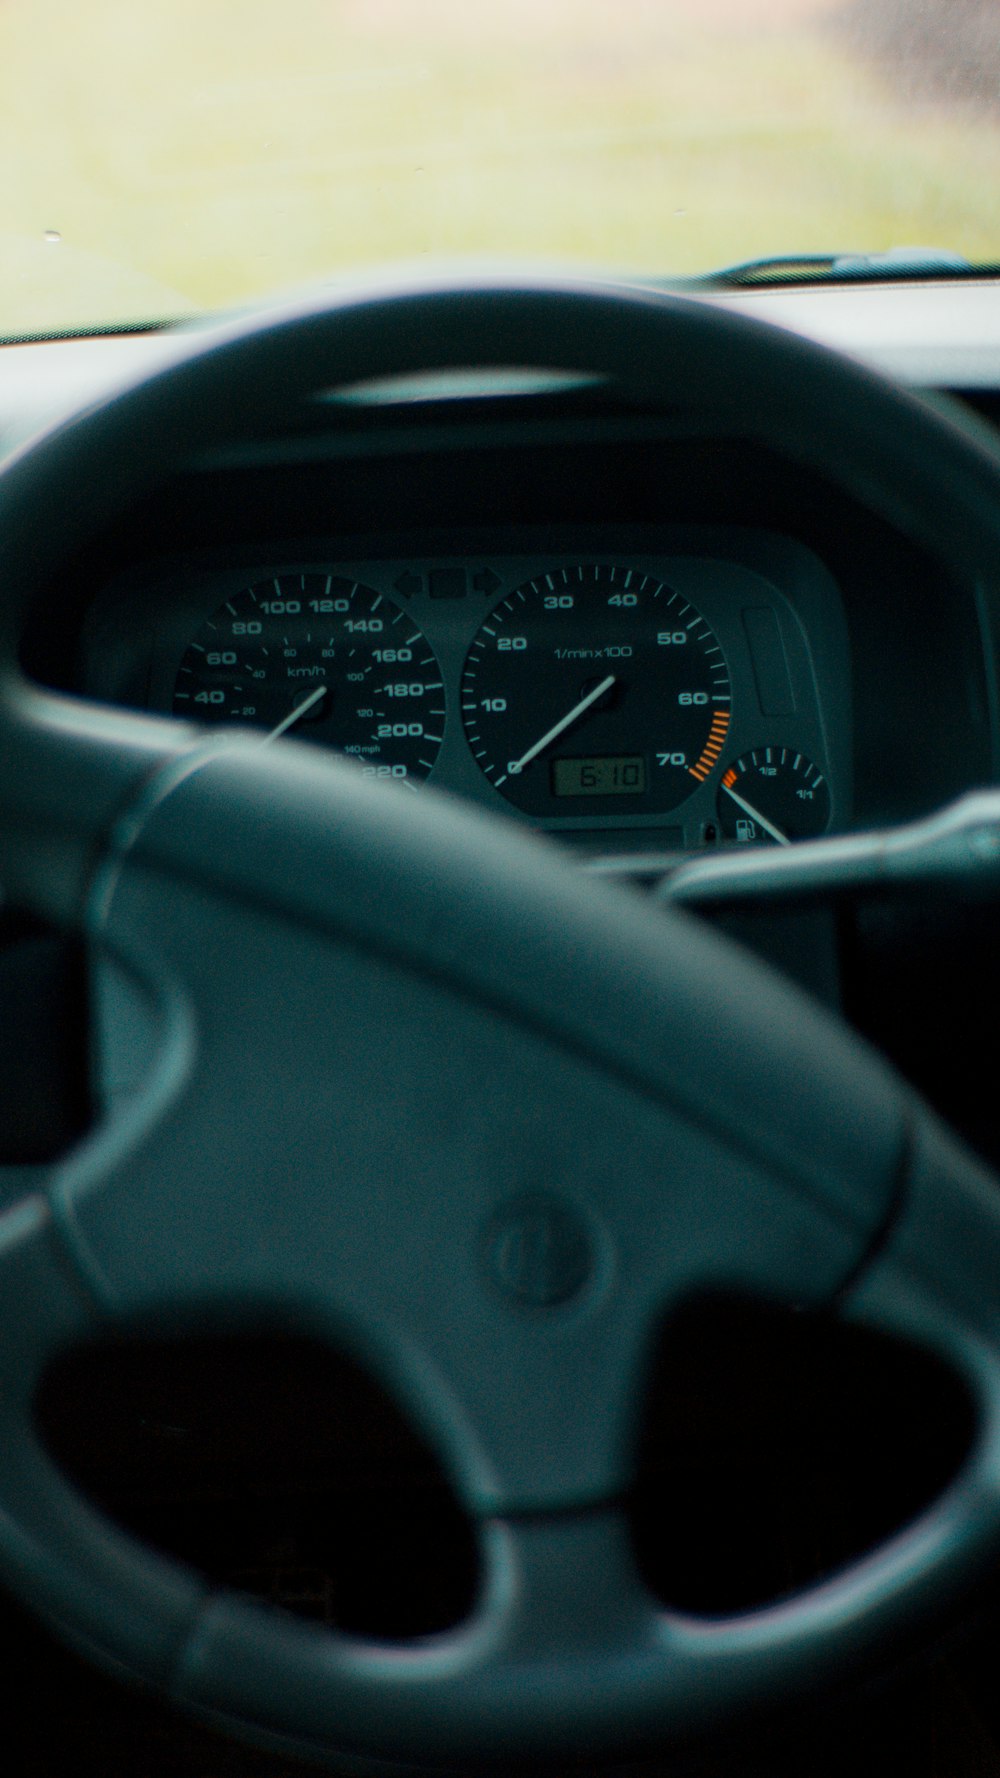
(472, 458)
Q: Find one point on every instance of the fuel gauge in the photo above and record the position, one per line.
(772, 796)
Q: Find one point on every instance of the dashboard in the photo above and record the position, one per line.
(834, 676)
(538, 553)
(621, 628)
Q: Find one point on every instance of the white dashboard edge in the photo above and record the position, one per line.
(943, 334)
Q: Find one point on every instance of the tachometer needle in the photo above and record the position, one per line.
(552, 734)
(755, 815)
(296, 715)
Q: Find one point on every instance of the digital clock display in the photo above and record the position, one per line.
(606, 774)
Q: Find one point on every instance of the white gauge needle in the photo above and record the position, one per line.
(518, 765)
(762, 820)
(296, 715)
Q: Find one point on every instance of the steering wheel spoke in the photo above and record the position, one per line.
(562, 1622)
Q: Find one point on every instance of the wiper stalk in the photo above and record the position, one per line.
(834, 268)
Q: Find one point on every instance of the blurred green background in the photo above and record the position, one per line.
(163, 156)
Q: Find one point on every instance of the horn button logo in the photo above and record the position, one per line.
(538, 1250)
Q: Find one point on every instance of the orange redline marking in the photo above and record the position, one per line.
(730, 778)
(712, 748)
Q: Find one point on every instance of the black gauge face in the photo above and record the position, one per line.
(323, 659)
(595, 690)
(771, 796)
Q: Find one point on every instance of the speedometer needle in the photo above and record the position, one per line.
(552, 734)
(755, 815)
(297, 714)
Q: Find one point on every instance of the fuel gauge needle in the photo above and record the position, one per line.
(755, 815)
(565, 722)
(297, 714)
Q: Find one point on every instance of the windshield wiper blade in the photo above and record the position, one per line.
(834, 268)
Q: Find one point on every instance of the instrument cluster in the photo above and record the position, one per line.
(630, 697)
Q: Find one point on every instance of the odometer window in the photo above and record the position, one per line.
(617, 776)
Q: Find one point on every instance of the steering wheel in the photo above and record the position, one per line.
(505, 1117)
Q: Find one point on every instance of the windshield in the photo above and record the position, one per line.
(161, 157)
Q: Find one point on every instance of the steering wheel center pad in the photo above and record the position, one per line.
(425, 1017)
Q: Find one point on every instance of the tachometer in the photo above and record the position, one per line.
(327, 659)
(595, 689)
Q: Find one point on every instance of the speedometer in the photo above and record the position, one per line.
(324, 658)
(595, 689)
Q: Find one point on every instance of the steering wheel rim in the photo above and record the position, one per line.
(662, 1039)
